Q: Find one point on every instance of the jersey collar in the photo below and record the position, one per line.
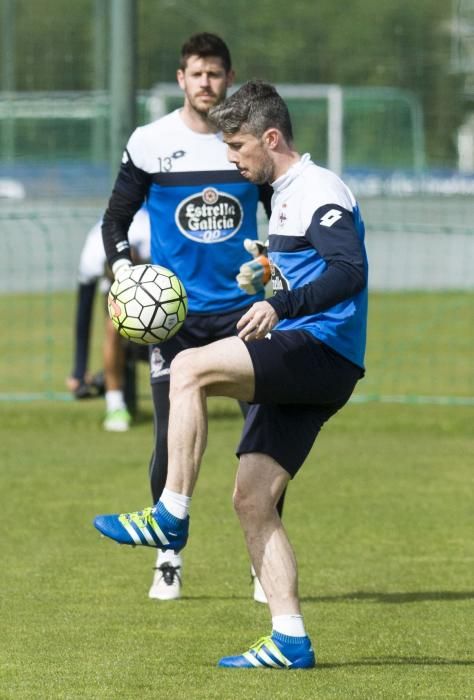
(291, 174)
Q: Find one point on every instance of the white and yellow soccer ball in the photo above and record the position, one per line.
(149, 305)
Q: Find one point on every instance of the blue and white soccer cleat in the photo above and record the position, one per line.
(151, 527)
(275, 651)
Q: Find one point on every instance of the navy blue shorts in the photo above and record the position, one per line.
(299, 384)
(197, 330)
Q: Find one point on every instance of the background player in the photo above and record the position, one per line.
(92, 272)
(201, 212)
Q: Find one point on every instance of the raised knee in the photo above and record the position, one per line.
(182, 371)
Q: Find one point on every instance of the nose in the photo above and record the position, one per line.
(232, 156)
(205, 82)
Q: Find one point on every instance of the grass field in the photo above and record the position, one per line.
(380, 517)
(381, 520)
(419, 344)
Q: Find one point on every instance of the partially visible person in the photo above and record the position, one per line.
(297, 358)
(91, 274)
(202, 210)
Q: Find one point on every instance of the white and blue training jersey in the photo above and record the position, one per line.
(318, 259)
(201, 209)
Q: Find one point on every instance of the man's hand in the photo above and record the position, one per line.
(258, 321)
(254, 274)
(122, 269)
(255, 248)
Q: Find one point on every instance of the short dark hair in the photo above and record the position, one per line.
(204, 45)
(254, 108)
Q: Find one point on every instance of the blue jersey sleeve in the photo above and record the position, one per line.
(333, 233)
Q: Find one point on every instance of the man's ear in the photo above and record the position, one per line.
(180, 78)
(271, 138)
(230, 78)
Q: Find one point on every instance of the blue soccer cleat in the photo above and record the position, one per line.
(275, 651)
(151, 527)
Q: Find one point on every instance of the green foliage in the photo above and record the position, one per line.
(364, 43)
(380, 521)
(53, 46)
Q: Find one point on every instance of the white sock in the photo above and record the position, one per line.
(169, 556)
(291, 625)
(175, 503)
(114, 400)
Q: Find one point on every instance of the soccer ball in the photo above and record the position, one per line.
(148, 306)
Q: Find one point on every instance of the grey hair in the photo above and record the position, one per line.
(254, 108)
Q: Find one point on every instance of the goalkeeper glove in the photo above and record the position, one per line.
(254, 275)
(121, 269)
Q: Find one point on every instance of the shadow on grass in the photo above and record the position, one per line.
(394, 598)
(399, 661)
(374, 597)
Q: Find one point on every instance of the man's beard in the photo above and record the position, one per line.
(204, 111)
(264, 174)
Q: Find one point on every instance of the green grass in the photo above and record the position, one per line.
(37, 350)
(419, 344)
(381, 521)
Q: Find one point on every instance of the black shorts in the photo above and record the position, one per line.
(197, 330)
(299, 384)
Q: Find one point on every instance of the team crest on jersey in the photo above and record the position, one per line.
(279, 281)
(282, 218)
(209, 216)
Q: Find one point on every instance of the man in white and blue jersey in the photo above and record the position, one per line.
(297, 359)
(201, 211)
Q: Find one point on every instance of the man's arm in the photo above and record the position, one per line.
(129, 192)
(346, 274)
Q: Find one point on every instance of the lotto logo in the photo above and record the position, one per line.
(330, 217)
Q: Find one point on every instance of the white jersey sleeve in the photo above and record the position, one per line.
(92, 260)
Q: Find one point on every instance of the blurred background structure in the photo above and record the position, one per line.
(383, 93)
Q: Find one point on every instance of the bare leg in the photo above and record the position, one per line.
(259, 484)
(114, 358)
(117, 418)
(223, 368)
